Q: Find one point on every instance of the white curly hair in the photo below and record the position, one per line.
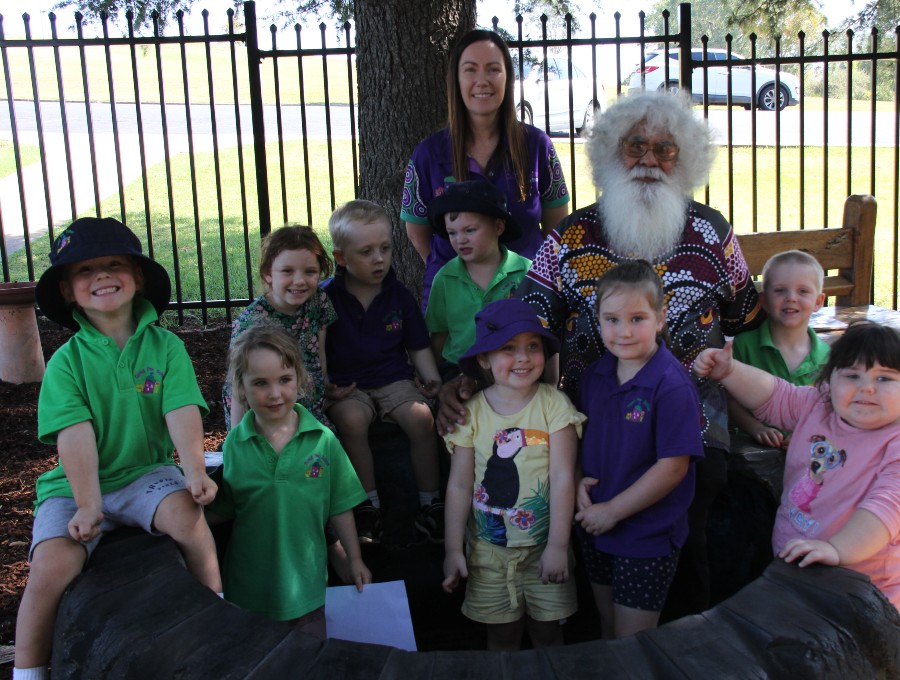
(659, 112)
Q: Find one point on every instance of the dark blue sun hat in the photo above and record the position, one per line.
(474, 196)
(85, 239)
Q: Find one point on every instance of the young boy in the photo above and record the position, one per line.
(473, 216)
(117, 398)
(784, 345)
(379, 331)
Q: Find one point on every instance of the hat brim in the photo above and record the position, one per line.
(157, 290)
(447, 203)
(468, 362)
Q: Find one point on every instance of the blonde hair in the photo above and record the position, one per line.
(359, 211)
(794, 257)
(270, 337)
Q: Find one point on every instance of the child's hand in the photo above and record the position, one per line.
(85, 524)
(768, 436)
(715, 364)
(583, 492)
(597, 519)
(454, 570)
(336, 393)
(811, 551)
(359, 573)
(201, 487)
(430, 389)
(554, 565)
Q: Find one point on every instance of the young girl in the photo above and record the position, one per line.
(642, 431)
(292, 263)
(841, 498)
(285, 475)
(517, 452)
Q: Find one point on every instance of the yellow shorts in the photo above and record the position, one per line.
(504, 585)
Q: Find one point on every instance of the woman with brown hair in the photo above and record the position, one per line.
(483, 140)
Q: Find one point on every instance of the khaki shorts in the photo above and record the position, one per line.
(504, 585)
(380, 401)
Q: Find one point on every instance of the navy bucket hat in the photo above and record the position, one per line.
(475, 196)
(497, 324)
(85, 239)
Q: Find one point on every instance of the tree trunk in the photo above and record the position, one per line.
(402, 52)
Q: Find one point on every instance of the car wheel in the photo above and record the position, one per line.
(671, 86)
(592, 110)
(525, 114)
(768, 99)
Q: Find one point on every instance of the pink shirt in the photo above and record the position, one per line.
(832, 469)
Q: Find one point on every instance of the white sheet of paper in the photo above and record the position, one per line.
(378, 615)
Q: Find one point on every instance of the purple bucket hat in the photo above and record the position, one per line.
(497, 324)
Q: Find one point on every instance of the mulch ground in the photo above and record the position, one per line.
(24, 458)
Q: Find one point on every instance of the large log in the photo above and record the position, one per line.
(136, 613)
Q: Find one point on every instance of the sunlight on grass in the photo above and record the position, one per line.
(28, 154)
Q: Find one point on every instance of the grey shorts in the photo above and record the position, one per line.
(133, 505)
(380, 401)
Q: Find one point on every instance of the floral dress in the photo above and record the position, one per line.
(314, 315)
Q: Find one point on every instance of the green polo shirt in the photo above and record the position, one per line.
(277, 563)
(455, 299)
(124, 394)
(756, 349)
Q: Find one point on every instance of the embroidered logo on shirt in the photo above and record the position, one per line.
(148, 380)
(393, 322)
(315, 465)
(637, 410)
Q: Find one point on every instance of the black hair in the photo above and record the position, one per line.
(866, 343)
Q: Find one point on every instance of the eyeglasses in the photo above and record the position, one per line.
(635, 147)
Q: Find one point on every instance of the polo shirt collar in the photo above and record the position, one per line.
(340, 281)
(648, 376)
(246, 429)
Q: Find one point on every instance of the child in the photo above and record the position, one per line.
(292, 263)
(513, 465)
(473, 216)
(841, 498)
(285, 475)
(116, 400)
(379, 331)
(644, 423)
(783, 345)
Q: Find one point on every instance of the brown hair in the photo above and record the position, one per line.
(458, 120)
(270, 337)
(631, 275)
(292, 237)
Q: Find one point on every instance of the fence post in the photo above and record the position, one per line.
(685, 63)
(256, 117)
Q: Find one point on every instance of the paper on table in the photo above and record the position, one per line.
(378, 615)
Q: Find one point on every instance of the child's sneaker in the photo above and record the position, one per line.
(368, 523)
(430, 521)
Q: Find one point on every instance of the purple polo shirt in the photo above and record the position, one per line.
(430, 171)
(654, 415)
(369, 346)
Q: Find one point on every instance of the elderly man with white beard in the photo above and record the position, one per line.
(648, 153)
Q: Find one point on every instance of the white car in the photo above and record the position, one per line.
(742, 93)
(530, 107)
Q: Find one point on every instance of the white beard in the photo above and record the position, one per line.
(642, 219)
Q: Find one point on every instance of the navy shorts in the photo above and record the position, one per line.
(637, 582)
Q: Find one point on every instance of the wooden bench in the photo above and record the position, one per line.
(850, 250)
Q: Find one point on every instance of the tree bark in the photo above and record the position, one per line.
(402, 53)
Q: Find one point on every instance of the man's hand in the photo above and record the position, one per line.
(452, 398)
(85, 524)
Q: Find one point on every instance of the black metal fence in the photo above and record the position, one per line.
(202, 142)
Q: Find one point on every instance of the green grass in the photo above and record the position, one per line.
(751, 208)
(29, 154)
